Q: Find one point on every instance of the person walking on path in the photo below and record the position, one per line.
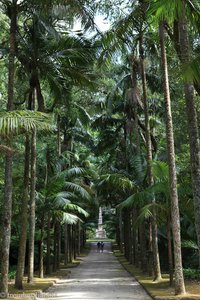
(102, 246)
(98, 246)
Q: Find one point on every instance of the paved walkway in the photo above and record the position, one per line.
(99, 276)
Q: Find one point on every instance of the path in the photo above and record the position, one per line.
(100, 276)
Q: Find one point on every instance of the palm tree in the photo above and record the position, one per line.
(192, 119)
(7, 212)
(179, 280)
(63, 198)
(179, 11)
(24, 218)
(160, 172)
(17, 122)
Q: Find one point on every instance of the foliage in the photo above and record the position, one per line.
(191, 273)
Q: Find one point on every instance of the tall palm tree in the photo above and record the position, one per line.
(6, 219)
(182, 14)
(19, 122)
(192, 119)
(175, 216)
(24, 218)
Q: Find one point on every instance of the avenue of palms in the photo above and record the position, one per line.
(94, 118)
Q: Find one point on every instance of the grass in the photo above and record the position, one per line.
(97, 240)
(39, 285)
(159, 290)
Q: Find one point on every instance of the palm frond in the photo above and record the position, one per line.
(72, 173)
(83, 115)
(160, 188)
(189, 244)
(61, 199)
(166, 10)
(70, 218)
(146, 212)
(139, 166)
(70, 186)
(191, 72)
(103, 121)
(117, 181)
(76, 209)
(136, 200)
(160, 170)
(16, 122)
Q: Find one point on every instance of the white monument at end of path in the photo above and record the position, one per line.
(100, 232)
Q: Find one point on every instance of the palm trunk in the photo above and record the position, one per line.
(78, 238)
(66, 241)
(170, 254)
(40, 98)
(175, 216)
(55, 247)
(129, 234)
(131, 238)
(59, 234)
(70, 242)
(41, 246)
(136, 257)
(74, 241)
(58, 136)
(7, 202)
(143, 247)
(192, 120)
(48, 260)
(156, 258)
(150, 252)
(6, 231)
(121, 231)
(32, 209)
(126, 234)
(24, 219)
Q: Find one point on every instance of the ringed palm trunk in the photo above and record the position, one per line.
(32, 209)
(24, 219)
(175, 216)
(7, 202)
(156, 258)
(192, 120)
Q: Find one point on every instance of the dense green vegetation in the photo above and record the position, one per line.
(95, 118)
